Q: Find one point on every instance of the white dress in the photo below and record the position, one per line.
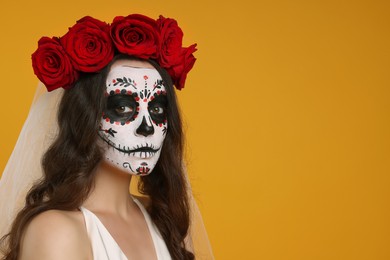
(104, 247)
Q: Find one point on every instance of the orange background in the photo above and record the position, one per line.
(287, 115)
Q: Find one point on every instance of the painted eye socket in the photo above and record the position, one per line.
(157, 110)
(158, 113)
(121, 108)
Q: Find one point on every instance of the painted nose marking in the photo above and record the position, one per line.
(144, 129)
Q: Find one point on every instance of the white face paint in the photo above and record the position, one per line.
(134, 123)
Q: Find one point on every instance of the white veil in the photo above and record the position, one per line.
(24, 165)
(24, 168)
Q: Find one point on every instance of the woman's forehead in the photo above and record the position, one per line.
(138, 74)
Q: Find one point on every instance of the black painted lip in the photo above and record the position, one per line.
(141, 149)
(144, 149)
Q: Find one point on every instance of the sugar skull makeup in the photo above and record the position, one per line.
(134, 123)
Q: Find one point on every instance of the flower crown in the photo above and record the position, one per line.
(90, 45)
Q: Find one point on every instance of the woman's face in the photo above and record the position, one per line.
(134, 123)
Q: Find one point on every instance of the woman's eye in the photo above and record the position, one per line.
(124, 110)
(157, 110)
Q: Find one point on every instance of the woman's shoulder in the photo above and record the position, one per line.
(56, 234)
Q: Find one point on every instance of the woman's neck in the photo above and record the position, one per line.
(110, 193)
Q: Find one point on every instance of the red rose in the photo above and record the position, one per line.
(89, 45)
(52, 65)
(179, 72)
(171, 38)
(135, 35)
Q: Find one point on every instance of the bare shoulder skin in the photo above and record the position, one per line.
(56, 234)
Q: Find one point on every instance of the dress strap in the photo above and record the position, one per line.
(104, 247)
(159, 243)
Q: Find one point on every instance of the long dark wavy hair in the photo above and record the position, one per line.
(69, 164)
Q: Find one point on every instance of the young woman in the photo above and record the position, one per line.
(117, 117)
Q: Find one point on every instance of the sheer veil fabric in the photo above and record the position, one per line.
(24, 165)
(24, 168)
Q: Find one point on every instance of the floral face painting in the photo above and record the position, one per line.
(134, 122)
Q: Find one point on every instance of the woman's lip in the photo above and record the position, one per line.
(144, 149)
(140, 149)
(147, 151)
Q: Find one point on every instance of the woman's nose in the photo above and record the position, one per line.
(145, 129)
